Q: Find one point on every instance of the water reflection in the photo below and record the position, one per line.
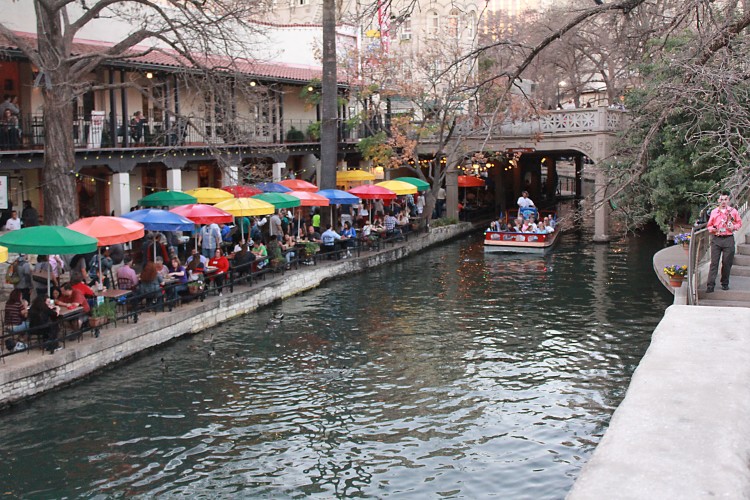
(451, 373)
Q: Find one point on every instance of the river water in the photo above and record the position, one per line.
(449, 374)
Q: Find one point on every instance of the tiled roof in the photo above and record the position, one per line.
(170, 59)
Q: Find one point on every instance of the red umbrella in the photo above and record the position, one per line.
(310, 199)
(243, 191)
(469, 181)
(299, 185)
(109, 230)
(372, 192)
(203, 214)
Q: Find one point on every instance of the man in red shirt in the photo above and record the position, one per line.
(722, 224)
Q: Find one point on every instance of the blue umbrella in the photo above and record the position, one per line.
(338, 197)
(160, 220)
(272, 187)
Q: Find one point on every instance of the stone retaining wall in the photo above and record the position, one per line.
(26, 375)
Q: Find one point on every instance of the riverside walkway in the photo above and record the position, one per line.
(683, 430)
(30, 373)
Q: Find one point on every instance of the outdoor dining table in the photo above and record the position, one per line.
(112, 293)
(68, 313)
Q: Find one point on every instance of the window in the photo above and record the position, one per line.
(406, 28)
(471, 23)
(452, 27)
(433, 23)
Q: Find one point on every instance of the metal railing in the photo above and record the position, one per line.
(91, 133)
(699, 249)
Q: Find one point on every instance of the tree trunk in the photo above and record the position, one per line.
(58, 185)
(329, 111)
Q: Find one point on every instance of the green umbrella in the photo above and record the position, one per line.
(167, 199)
(414, 181)
(279, 200)
(48, 240)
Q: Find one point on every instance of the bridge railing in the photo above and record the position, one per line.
(699, 253)
(566, 121)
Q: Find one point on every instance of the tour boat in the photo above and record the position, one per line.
(513, 242)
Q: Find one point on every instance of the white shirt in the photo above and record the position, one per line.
(525, 202)
(13, 224)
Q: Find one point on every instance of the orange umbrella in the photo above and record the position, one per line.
(469, 181)
(109, 230)
(299, 185)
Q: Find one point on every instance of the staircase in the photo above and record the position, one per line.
(738, 294)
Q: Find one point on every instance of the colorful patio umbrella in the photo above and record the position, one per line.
(245, 207)
(107, 231)
(242, 191)
(299, 185)
(3, 254)
(203, 214)
(272, 187)
(371, 192)
(338, 197)
(160, 220)
(466, 181)
(210, 196)
(421, 185)
(398, 187)
(279, 200)
(47, 240)
(167, 199)
(354, 175)
(308, 199)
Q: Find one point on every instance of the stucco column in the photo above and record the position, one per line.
(277, 168)
(232, 174)
(451, 193)
(174, 179)
(601, 208)
(121, 193)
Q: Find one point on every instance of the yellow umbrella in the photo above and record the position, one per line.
(245, 207)
(210, 196)
(354, 175)
(398, 187)
(3, 254)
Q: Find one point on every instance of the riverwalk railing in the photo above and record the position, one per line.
(699, 253)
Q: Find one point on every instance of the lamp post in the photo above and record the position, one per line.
(562, 84)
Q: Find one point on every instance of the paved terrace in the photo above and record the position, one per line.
(30, 373)
(683, 429)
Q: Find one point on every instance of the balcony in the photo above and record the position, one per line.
(94, 133)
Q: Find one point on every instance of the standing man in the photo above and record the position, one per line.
(275, 228)
(29, 216)
(722, 224)
(440, 203)
(209, 240)
(14, 223)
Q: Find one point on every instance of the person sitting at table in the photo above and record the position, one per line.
(181, 275)
(43, 320)
(390, 225)
(43, 271)
(349, 235)
(16, 312)
(287, 246)
(161, 269)
(54, 293)
(150, 282)
(402, 221)
(194, 254)
(72, 298)
(95, 276)
(222, 264)
(127, 279)
(195, 269)
(260, 252)
(275, 253)
(76, 281)
(312, 235)
(328, 239)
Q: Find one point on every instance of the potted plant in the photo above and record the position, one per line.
(676, 274)
(682, 239)
(195, 287)
(103, 313)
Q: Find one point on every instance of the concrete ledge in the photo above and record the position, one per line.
(27, 374)
(682, 429)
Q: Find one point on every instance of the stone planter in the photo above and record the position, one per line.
(676, 281)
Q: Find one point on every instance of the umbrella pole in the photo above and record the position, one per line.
(49, 289)
(99, 250)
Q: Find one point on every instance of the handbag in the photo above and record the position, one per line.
(11, 277)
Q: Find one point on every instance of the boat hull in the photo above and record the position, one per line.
(511, 242)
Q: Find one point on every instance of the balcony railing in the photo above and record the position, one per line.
(96, 133)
